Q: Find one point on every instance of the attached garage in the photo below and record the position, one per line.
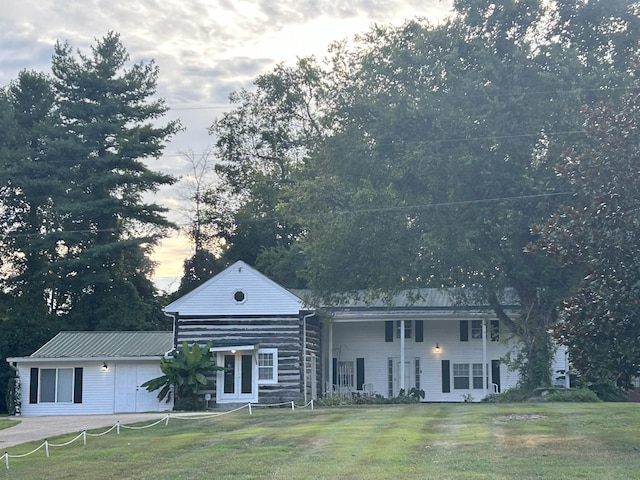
(82, 373)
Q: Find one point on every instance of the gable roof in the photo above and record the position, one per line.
(101, 345)
(260, 295)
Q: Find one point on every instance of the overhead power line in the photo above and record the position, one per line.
(400, 209)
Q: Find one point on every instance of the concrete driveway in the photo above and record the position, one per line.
(39, 428)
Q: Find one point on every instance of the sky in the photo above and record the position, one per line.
(205, 49)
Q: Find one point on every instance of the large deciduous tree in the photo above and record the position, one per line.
(436, 154)
(205, 220)
(601, 322)
(259, 145)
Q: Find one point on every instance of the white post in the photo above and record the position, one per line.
(567, 379)
(166, 422)
(402, 366)
(331, 379)
(314, 377)
(293, 406)
(250, 412)
(484, 358)
(46, 447)
(84, 437)
(118, 427)
(6, 460)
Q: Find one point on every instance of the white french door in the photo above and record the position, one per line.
(238, 381)
(409, 376)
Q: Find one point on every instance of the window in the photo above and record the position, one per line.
(477, 375)
(460, 376)
(268, 365)
(345, 374)
(408, 328)
(495, 330)
(476, 328)
(56, 385)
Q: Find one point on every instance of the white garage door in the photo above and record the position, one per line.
(129, 395)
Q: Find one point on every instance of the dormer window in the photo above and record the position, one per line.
(239, 296)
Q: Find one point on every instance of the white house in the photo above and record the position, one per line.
(275, 347)
(78, 373)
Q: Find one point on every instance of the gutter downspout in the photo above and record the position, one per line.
(304, 353)
(175, 328)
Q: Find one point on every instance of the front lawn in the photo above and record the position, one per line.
(6, 423)
(462, 441)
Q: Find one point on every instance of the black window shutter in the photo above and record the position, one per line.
(419, 330)
(77, 385)
(33, 387)
(388, 331)
(359, 373)
(446, 377)
(495, 373)
(495, 330)
(464, 330)
(334, 367)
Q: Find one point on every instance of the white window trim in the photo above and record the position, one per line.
(274, 375)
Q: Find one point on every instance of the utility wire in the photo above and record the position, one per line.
(400, 209)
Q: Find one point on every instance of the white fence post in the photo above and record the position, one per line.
(6, 459)
(46, 447)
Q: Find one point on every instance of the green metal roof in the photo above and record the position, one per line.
(106, 345)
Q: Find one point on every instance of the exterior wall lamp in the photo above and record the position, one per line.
(437, 350)
(105, 367)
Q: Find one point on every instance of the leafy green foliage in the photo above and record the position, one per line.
(422, 155)
(75, 228)
(185, 373)
(573, 395)
(601, 322)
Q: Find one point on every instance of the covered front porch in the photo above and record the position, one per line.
(448, 357)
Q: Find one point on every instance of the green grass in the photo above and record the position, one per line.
(6, 422)
(463, 441)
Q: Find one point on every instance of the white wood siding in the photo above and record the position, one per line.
(98, 387)
(367, 340)
(216, 296)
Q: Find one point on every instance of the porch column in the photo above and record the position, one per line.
(484, 358)
(567, 378)
(330, 359)
(402, 386)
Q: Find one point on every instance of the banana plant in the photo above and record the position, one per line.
(184, 373)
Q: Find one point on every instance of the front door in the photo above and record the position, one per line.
(238, 381)
(409, 376)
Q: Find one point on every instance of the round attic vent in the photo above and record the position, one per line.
(239, 296)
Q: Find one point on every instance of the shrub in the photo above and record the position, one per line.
(512, 395)
(573, 395)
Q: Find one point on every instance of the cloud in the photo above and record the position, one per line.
(205, 49)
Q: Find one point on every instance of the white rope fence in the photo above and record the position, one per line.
(117, 427)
